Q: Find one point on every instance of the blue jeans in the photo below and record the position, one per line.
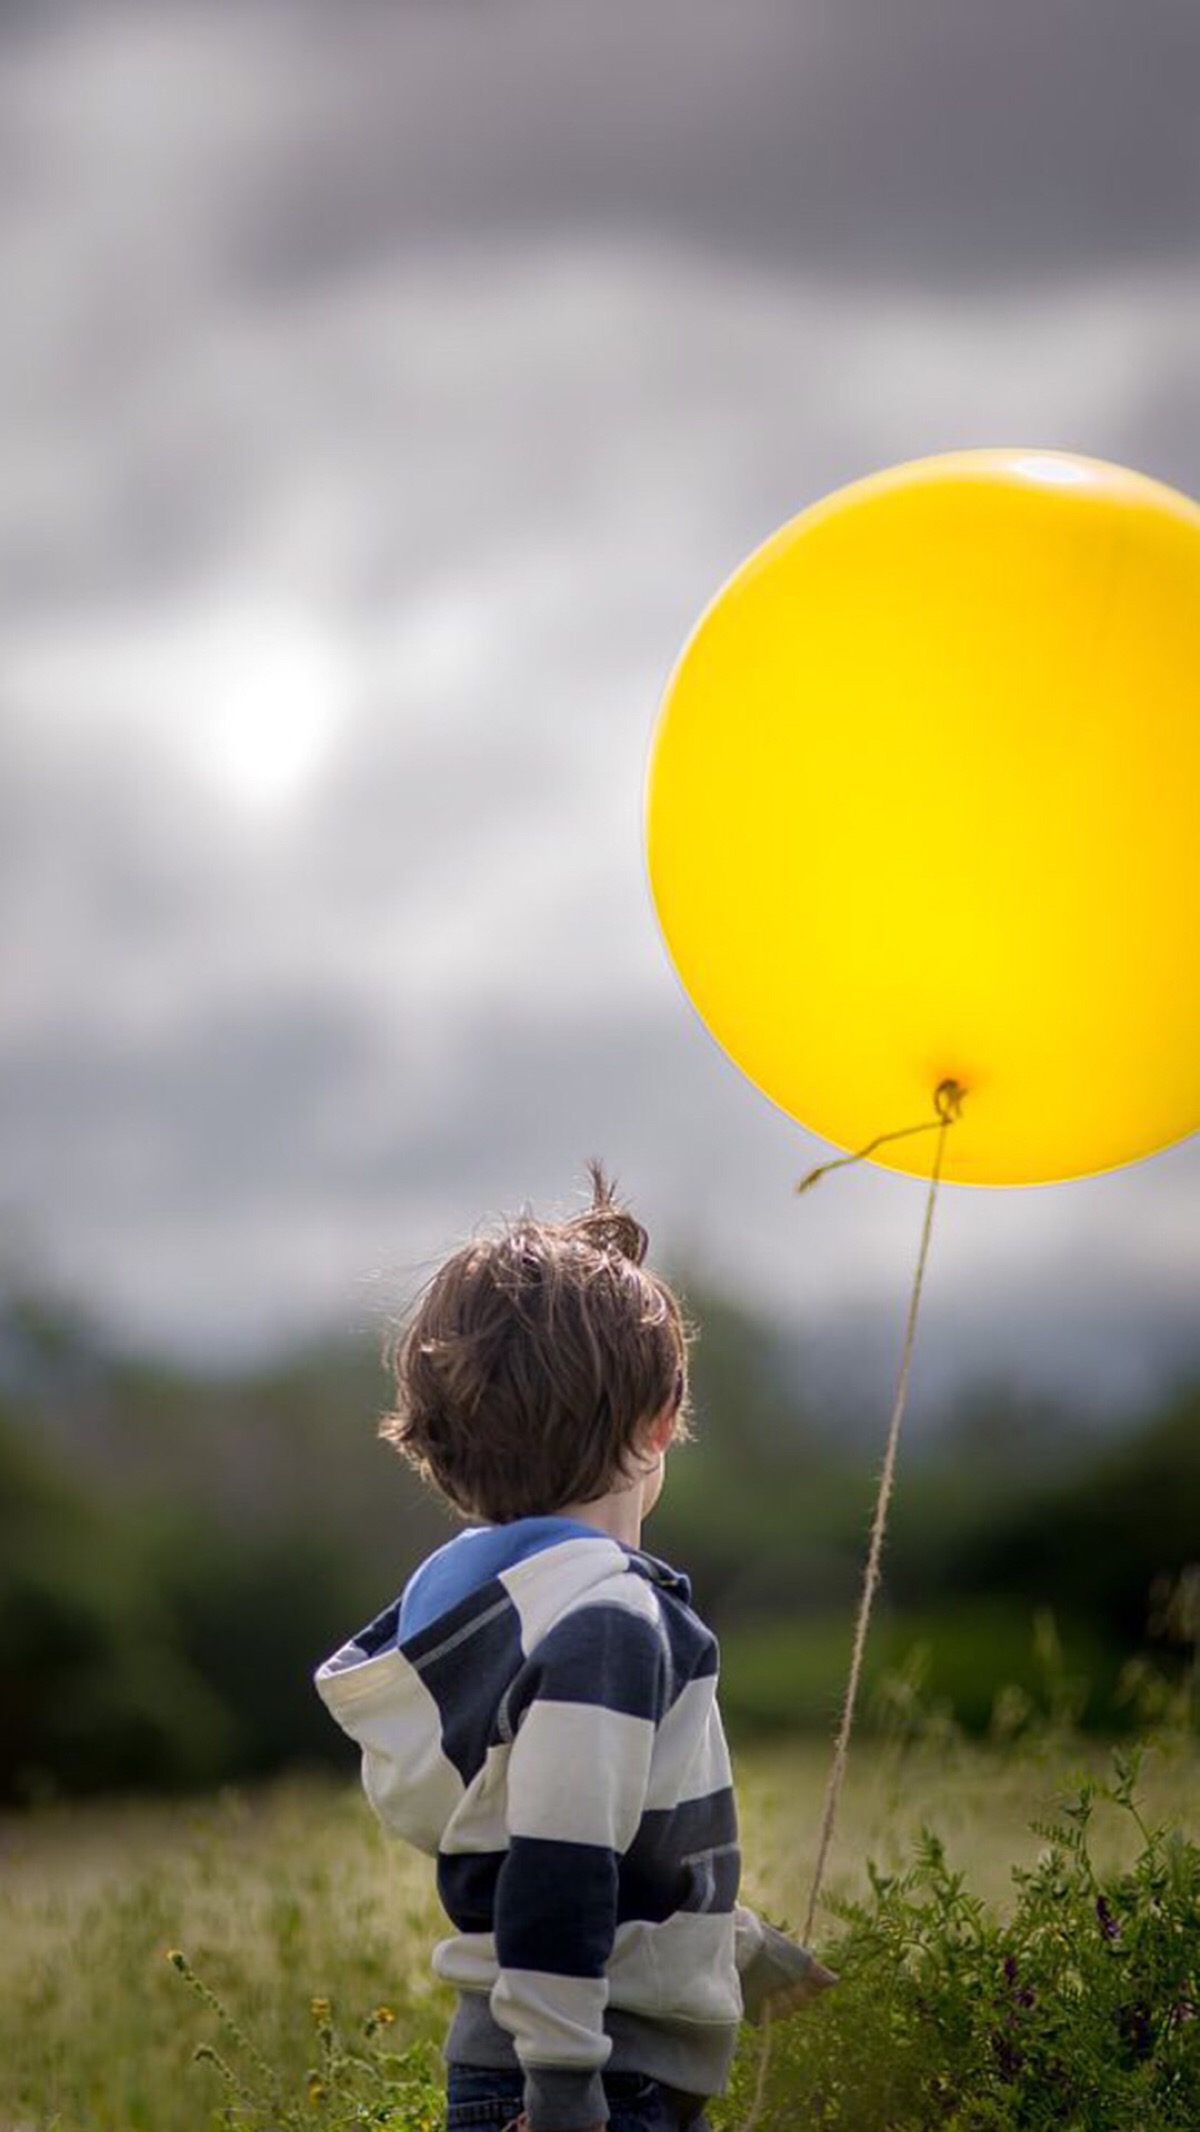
(479, 2100)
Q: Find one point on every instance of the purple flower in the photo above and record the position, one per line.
(1108, 1923)
(1026, 1995)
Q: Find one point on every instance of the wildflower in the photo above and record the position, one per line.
(1023, 1994)
(321, 2009)
(1108, 1923)
(316, 2089)
(383, 2016)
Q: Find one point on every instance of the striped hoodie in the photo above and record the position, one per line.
(538, 1713)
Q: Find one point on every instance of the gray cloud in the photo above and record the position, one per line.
(382, 393)
(961, 143)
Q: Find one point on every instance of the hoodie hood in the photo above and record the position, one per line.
(428, 1707)
(473, 1556)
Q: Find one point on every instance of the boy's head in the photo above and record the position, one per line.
(534, 1361)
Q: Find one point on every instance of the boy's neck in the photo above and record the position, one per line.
(623, 1511)
(618, 1514)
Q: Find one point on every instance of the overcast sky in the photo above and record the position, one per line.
(383, 393)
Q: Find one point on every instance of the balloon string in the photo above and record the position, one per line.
(948, 1099)
(947, 1096)
(879, 1523)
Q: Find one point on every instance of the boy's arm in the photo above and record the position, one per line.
(577, 1778)
(773, 1968)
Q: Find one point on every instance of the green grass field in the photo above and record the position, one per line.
(290, 1894)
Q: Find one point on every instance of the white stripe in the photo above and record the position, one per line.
(478, 1823)
(683, 1969)
(546, 1584)
(412, 1785)
(554, 2021)
(413, 1793)
(578, 1774)
(691, 1758)
(350, 1674)
(468, 1961)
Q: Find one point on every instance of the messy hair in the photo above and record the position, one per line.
(532, 1360)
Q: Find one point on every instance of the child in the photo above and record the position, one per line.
(538, 1710)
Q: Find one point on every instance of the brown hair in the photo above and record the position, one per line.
(532, 1361)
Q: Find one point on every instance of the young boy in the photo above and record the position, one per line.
(538, 1710)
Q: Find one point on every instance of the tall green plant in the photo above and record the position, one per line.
(1080, 2009)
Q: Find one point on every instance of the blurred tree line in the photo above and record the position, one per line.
(178, 1551)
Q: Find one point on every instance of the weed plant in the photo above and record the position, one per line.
(975, 1994)
(354, 2081)
(1078, 2009)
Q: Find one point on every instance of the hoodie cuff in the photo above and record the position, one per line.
(772, 1965)
(559, 2101)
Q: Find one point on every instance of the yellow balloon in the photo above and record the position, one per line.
(924, 804)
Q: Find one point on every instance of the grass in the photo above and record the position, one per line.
(277, 1896)
(290, 1894)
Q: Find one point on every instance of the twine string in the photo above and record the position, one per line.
(948, 1098)
(878, 1527)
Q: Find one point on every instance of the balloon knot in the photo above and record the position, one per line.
(948, 1101)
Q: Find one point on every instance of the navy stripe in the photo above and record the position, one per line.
(602, 1655)
(467, 1887)
(693, 1825)
(466, 1659)
(380, 1633)
(660, 1573)
(556, 1906)
(466, 1882)
(421, 1645)
(662, 1870)
(384, 1631)
(694, 1650)
(713, 1881)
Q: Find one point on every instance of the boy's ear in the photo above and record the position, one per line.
(660, 1428)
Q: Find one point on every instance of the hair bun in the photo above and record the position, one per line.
(608, 1227)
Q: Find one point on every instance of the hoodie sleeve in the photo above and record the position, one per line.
(594, 1692)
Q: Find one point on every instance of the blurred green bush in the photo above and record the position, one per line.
(178, 1552)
